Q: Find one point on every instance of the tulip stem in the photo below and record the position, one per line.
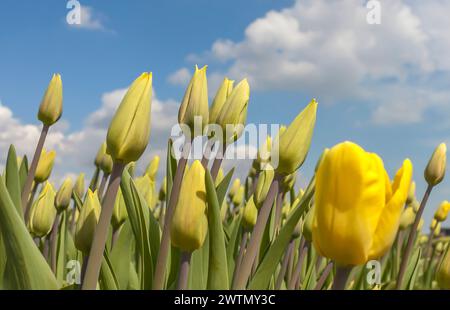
(341, 277)
(158, 281)
(53, 243)
(256, 237)
(411, 238)
(101, 189)
(218, 162)
(207, 153)
(183, 275)
(34, 163)
(241, 253)
(101, 231)
(278, 206)
(302, 250)
(30, 202)
(284, 265)
(324, 276)
(427, 252)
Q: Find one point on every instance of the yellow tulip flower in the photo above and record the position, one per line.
(219, 100)
(189, 222)
(442, 212)
(129, 131)
(435, 170)
(43, 212)
(152, 168)
(50, 110)
(45, 166)
(64, 195)
(87, 222)
(357, 208)
(79, 187)
(250, 215)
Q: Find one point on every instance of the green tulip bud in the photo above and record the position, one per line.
(238, 198)
(439, 248)
(45, 166)
(50, 110)
(43, 212)
(234, 188)
(437, 230)
(195, 102)
(104, 160)
(64, 195)
(189, 222)
(435, 170)
(234, 112)
(145, 186)
(99, 157)
(263, 156)
(308, 224)
(120, 211)
(250, 215)
(219, 100)
(129, 131)
(407, 218)
(423, 239)
(411, 193)
(79, 187)
(262, 187)
(415, 204)
(152, 168)
(293, 145)
(442, 212)
(87, 222)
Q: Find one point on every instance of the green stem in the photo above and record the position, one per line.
(160, 270)
(101, 231)
(341, 277)
(184, 270)
(101, 189)
(412, 237)
(256, 237)
(34, 163)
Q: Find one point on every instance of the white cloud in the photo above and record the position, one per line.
(327, 50)
(180, 77)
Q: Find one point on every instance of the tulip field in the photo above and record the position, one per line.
(194, 225)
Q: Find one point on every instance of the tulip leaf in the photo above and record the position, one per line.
(77, 200)
(107, 279)
(26, 267)
(267, 266)
(13, 179)
(411, 270)
(23, 171)
(222, 188)
(197, 272)
(218, 269)
(121, 255)
(139, 215)
(233, 244)
(61, 248)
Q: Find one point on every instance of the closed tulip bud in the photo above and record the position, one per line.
(64, 195)
(415, 205)
(250, 215)
(219, 100)
(45, 166)
(293, 145)
(79, 187)
(145, 186)
(43, 212)
(120, 211)
(262, 187)
(263, 156)
(442, 212)
(129, 131)
(439, 248)
(423, 239)
(357, 208)
(163, 190)
(411, 193)
(195, 102)
(407, 218)
(238, 198)
(308, 225)
(152, 168)
(50, 110)
(219, 178)
(234, 112)
(87, 222)
(100, 153)
(433, 224)
(106, 164)
(189, 222)
(234, 188)
(443, 272)
(435, 170)
(298, 230)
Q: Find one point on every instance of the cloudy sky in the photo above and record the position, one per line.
(383, 86)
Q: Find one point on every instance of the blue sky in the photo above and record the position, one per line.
(383, 86)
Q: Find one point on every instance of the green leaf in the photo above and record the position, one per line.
(23, 171)
(412, 270)
(61, 248)
(107, 279)
(26, 267)
(222, 188)
(13, 180)
(198, 272)
(139, 216)
(267, 266)
(233, 244)
(218, 269)
(121, 255)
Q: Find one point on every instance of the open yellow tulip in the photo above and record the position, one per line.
(357, 208)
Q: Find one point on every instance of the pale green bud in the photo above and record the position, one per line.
(435, 170)
(152, 168)
(308, 224)
(129, 131)
(50, 110)
(219, 100)
(407, 218)
(262, 187)
(45, 166)
(120, 211)
(250, 215)
(87, 222)
(79, 187)
(238, 198)
(64, 195)
(43, 212)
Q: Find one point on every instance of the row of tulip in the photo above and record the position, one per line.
(352, 227)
